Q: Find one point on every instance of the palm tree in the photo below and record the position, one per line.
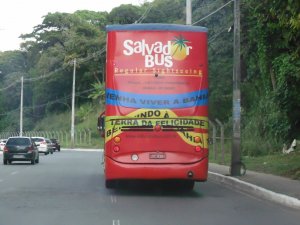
(180, 43)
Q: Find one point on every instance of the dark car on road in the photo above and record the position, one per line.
(20, 149)
(56, 143)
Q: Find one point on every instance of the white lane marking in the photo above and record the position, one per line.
(14, 173)
(113, 199)
(116, 222)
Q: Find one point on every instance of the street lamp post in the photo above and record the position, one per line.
(188, 12)
(73, 107)
(21, 109)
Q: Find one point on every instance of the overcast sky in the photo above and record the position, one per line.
(20, 16)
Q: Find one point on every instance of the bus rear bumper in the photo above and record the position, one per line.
(193, 171)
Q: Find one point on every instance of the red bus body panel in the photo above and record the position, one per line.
(156, 124)
(117, 170)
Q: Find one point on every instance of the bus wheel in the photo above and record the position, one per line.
(110, 184)
(189, 185)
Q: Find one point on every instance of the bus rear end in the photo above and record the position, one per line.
(156, 125)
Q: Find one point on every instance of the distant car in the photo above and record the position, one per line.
(20, 149)
(56, 143)
(2, 144)
(42, 145)
(50, 145)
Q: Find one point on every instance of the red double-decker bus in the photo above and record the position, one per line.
(156, 110)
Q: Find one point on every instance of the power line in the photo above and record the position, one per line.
(58, 100)
(49, 103)
(94, 55)
(213, 12)
(7, 113)
(80, 61)
(44, 76)
(206, 5)
(12, 84)
(211, 39)
(145, 13)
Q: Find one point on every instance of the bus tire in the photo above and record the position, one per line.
(110, 184)
(189, 185)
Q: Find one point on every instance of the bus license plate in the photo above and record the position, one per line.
(157, 156)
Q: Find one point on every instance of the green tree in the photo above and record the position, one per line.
(271, 32)
(165, 11)
(61, 38)
(124, 14)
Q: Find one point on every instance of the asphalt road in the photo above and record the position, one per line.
(67, 188)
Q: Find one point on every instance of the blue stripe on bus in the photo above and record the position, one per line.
(156, 101)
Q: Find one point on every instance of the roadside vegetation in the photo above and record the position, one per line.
(270, 34)
(277, 163)
(85, 119)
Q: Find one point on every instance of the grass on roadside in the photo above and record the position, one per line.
(287, 165)
(277, 164)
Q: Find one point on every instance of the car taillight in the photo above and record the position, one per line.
(30, 149)
(5, 149)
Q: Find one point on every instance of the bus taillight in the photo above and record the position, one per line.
(197, 148)
(116, 148)
(197, 139)
(117, 139)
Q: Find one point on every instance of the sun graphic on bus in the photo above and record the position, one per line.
(179, 49)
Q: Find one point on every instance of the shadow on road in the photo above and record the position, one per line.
(17, 163)
(169, 188)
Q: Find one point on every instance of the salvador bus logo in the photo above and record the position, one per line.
(180, 50)
(158, 53)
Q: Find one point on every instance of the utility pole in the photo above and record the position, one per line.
(236, 96)
(21, 109)
(188, 12)
(73, 106)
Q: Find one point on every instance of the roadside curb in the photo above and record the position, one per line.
(255, 190)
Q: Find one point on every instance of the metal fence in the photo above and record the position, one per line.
(82, 137)
(217, 141)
